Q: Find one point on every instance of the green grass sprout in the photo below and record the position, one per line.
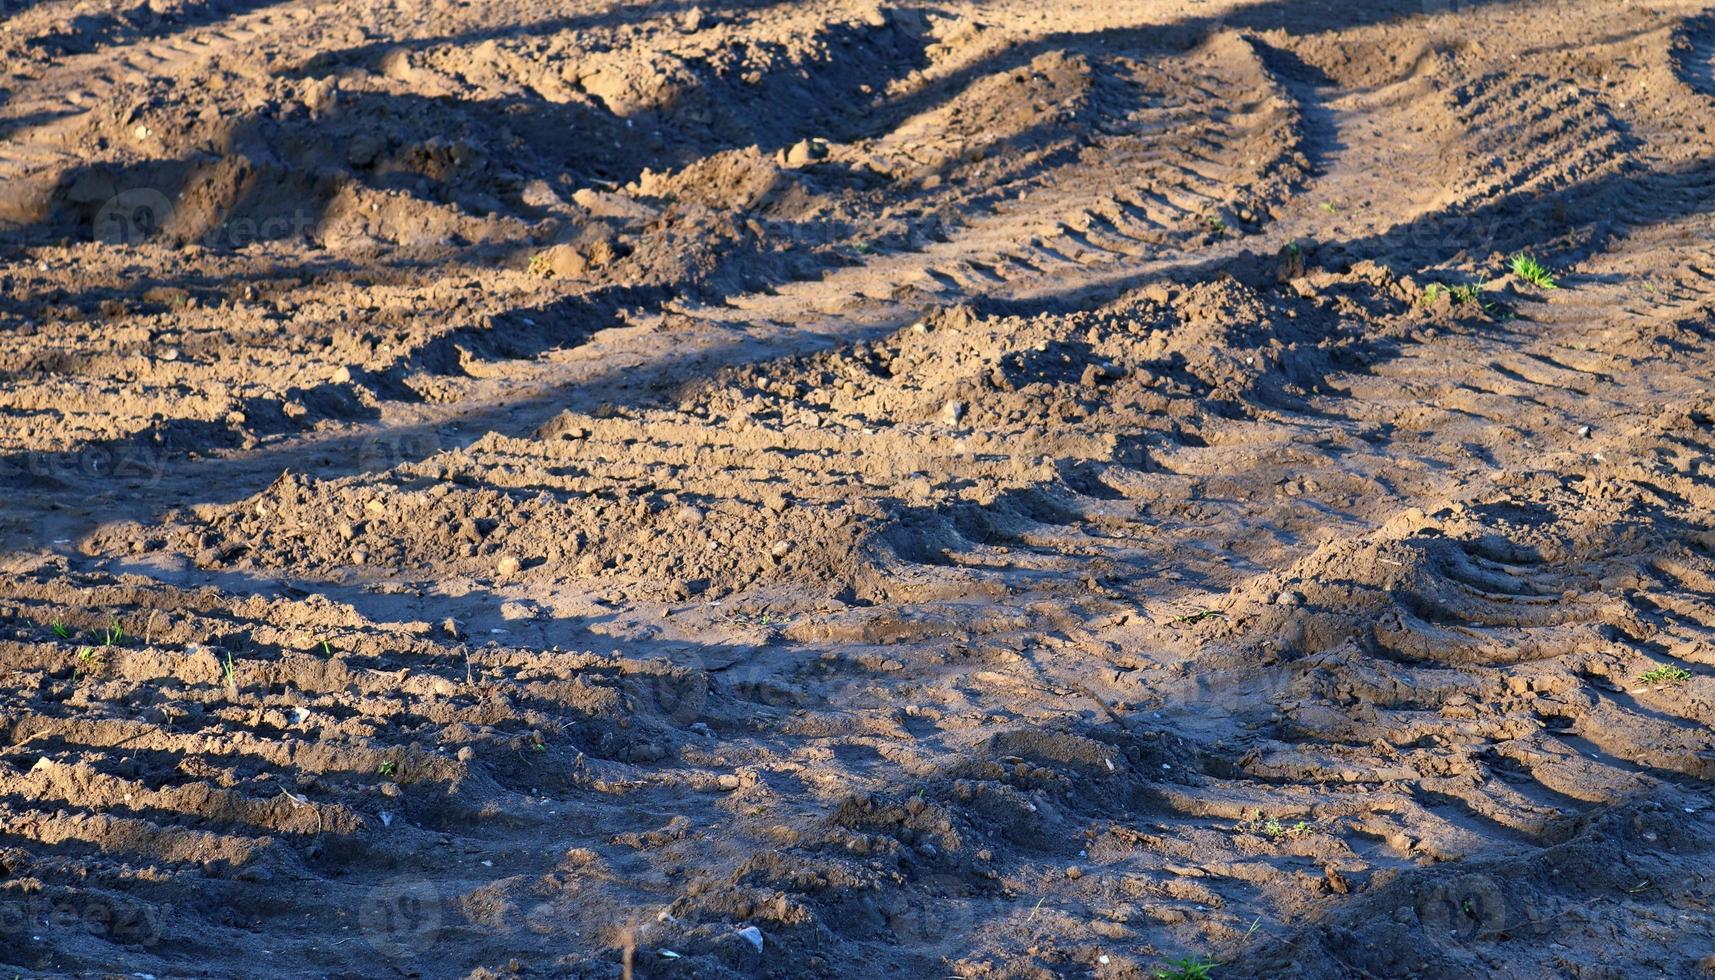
(1530, 270)
(1187, 968)
(1664, 675)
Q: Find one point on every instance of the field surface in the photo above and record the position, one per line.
(857, 488)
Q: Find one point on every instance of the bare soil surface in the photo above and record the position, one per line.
(844, 488)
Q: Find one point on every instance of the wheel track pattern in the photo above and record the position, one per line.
(41, 124)
(1196, 501)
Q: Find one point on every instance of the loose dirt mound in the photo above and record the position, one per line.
(843, 488)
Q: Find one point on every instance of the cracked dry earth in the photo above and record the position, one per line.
(846, 488)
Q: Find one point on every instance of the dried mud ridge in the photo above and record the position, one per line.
(849, 488)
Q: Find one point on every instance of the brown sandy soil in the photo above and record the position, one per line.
(753, 488)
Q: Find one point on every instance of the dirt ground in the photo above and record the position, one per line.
(857, 488)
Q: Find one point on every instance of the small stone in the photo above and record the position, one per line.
(466, 753)
(341, 375)
(729, 781)
(507, 567)
(806, 151)
(952, 412)
(1074, 872)
(563, 262)
(781, 549)
(321, 95)
(1288, 598)
(514, 609)
(1337, 882)
(364, 148)
(1584, 432)
(690, 515)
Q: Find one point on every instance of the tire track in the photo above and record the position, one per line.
(1182, 584)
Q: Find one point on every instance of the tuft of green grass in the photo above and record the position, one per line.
(1469, 293)
(1530, 270)
(1664, 675)
(1216, 223)
(1273, 829)
(1187, 968)
(88, 661)
(388, 768)
(764, 619)
(229, 671)
(113, 635)
(61, 630)
(1466, 293)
